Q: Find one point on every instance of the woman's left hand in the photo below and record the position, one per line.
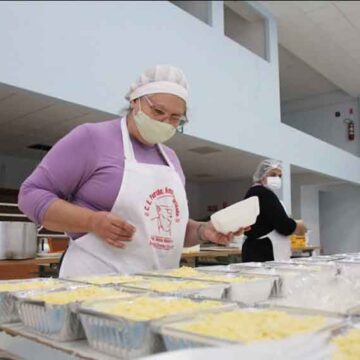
(209, 233)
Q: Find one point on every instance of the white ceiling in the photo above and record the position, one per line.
(225, 164)
(27, 118)
(298, 80)
(323, 34)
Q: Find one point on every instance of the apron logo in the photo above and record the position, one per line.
(162, 210)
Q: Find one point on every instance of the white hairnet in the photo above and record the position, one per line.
(264, 167)
(160, 79)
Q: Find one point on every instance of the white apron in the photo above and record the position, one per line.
(281, 244)
(153, 199)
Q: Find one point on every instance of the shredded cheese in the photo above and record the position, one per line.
(147, 308)
(77, 294)
(109, 279)
(189, 272)
(170, 286)
(249, 326)
(347, 346)
(29, 285)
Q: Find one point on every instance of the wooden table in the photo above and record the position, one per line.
(21, 269)
(193, 258)
(306, 249)
(43, 260)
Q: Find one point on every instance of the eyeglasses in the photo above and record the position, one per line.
(159, 114)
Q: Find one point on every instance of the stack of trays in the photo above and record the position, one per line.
(245, 326)
(54, 313)
(349, 256)
(298, 277)
(10, 288)
(350, 268)
(340, 299)
(125, 327)
(245, 288)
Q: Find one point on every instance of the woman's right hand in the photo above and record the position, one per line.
(301, 229)
(113, 229)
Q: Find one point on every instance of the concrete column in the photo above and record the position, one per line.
(216, 9)
(286, 189)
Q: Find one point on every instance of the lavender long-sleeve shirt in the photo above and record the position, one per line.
(86, 168)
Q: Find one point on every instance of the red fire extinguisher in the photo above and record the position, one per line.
(350, 126)
(350, 129)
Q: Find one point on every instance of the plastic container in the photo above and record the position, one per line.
(295, 279)
(340, 297)
(236, 216)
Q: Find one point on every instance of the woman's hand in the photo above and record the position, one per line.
(111, 228)
(301, 228)
(207, 232)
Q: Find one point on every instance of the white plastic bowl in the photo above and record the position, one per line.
(236, 216)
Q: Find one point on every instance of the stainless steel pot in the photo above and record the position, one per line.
(18, 235)
(18, 240)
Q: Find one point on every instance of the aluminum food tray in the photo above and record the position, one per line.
(258, 288)
(59, 322)
(210, 268)
(246, 266)
(126, 338)
(222, 268)
(88, 280)
(177, 339)
(327, 266)
(352, 313)
(8, 300)
(215, 290)
(286, 280)
(320, 258)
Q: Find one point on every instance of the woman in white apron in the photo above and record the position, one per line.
(268, 238)
(147, 224)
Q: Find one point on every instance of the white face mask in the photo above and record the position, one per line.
(274, 182)
(153, 131)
